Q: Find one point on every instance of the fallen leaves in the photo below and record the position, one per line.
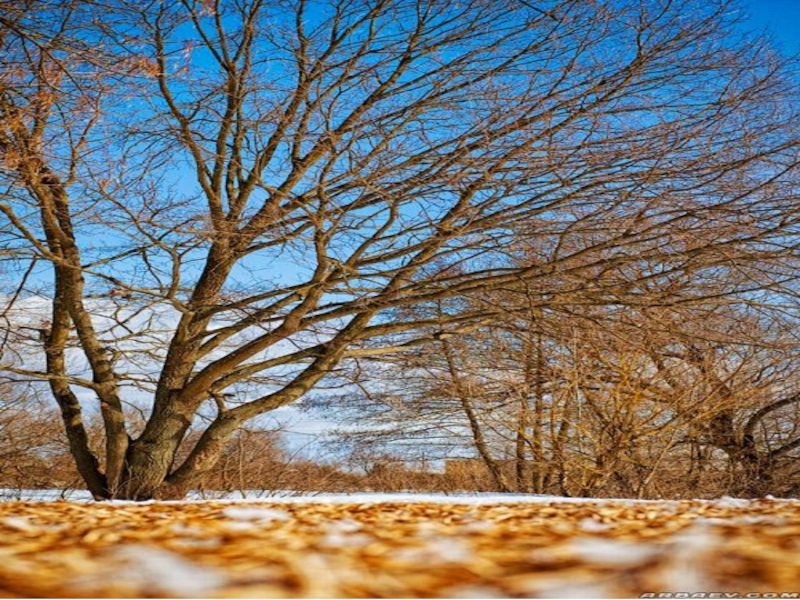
(416, 549)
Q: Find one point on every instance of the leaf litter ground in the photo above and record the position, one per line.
(394, 549)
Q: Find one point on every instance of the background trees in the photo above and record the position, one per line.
(32, 449)
(608, 401)
(234, 198)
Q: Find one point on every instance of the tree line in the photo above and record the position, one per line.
(656, 402)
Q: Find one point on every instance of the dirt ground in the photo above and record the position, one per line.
(397, 550)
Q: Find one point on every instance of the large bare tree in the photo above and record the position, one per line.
(233, 197)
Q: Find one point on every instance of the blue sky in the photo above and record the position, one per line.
(782, 17)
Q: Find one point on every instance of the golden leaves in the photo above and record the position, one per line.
(415, 549)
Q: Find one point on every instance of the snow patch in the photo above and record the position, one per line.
(592, 525)
(613, 553)
(728, 502)
(10, 495)
(255, 513)
(17, 523)
(438, 551)
(335, 539)
(157, 572)
(344, 526)
(690, 550)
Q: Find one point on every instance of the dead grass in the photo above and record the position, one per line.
(277, 550)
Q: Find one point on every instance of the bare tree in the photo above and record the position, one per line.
(608, 401)
(235, 197)
(33, 450)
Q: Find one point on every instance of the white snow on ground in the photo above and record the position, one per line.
(18, 523)
(157, 570)
(613, 553)
(247, 517)
(44, 495)
(254, 513)
(690, 550)
(289, 497)
(371, 498)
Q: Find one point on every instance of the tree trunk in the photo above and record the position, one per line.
(152, 456)
(150, 471)
(481, 445)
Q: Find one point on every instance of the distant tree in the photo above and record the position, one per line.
(235, 198)
(33, 450)
(254, 459)
(614, 401)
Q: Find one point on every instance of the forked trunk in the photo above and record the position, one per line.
(152, 471)
(149, 474)
(148, 468)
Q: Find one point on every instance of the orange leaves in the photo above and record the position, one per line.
(416, 549)
(142, 66)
